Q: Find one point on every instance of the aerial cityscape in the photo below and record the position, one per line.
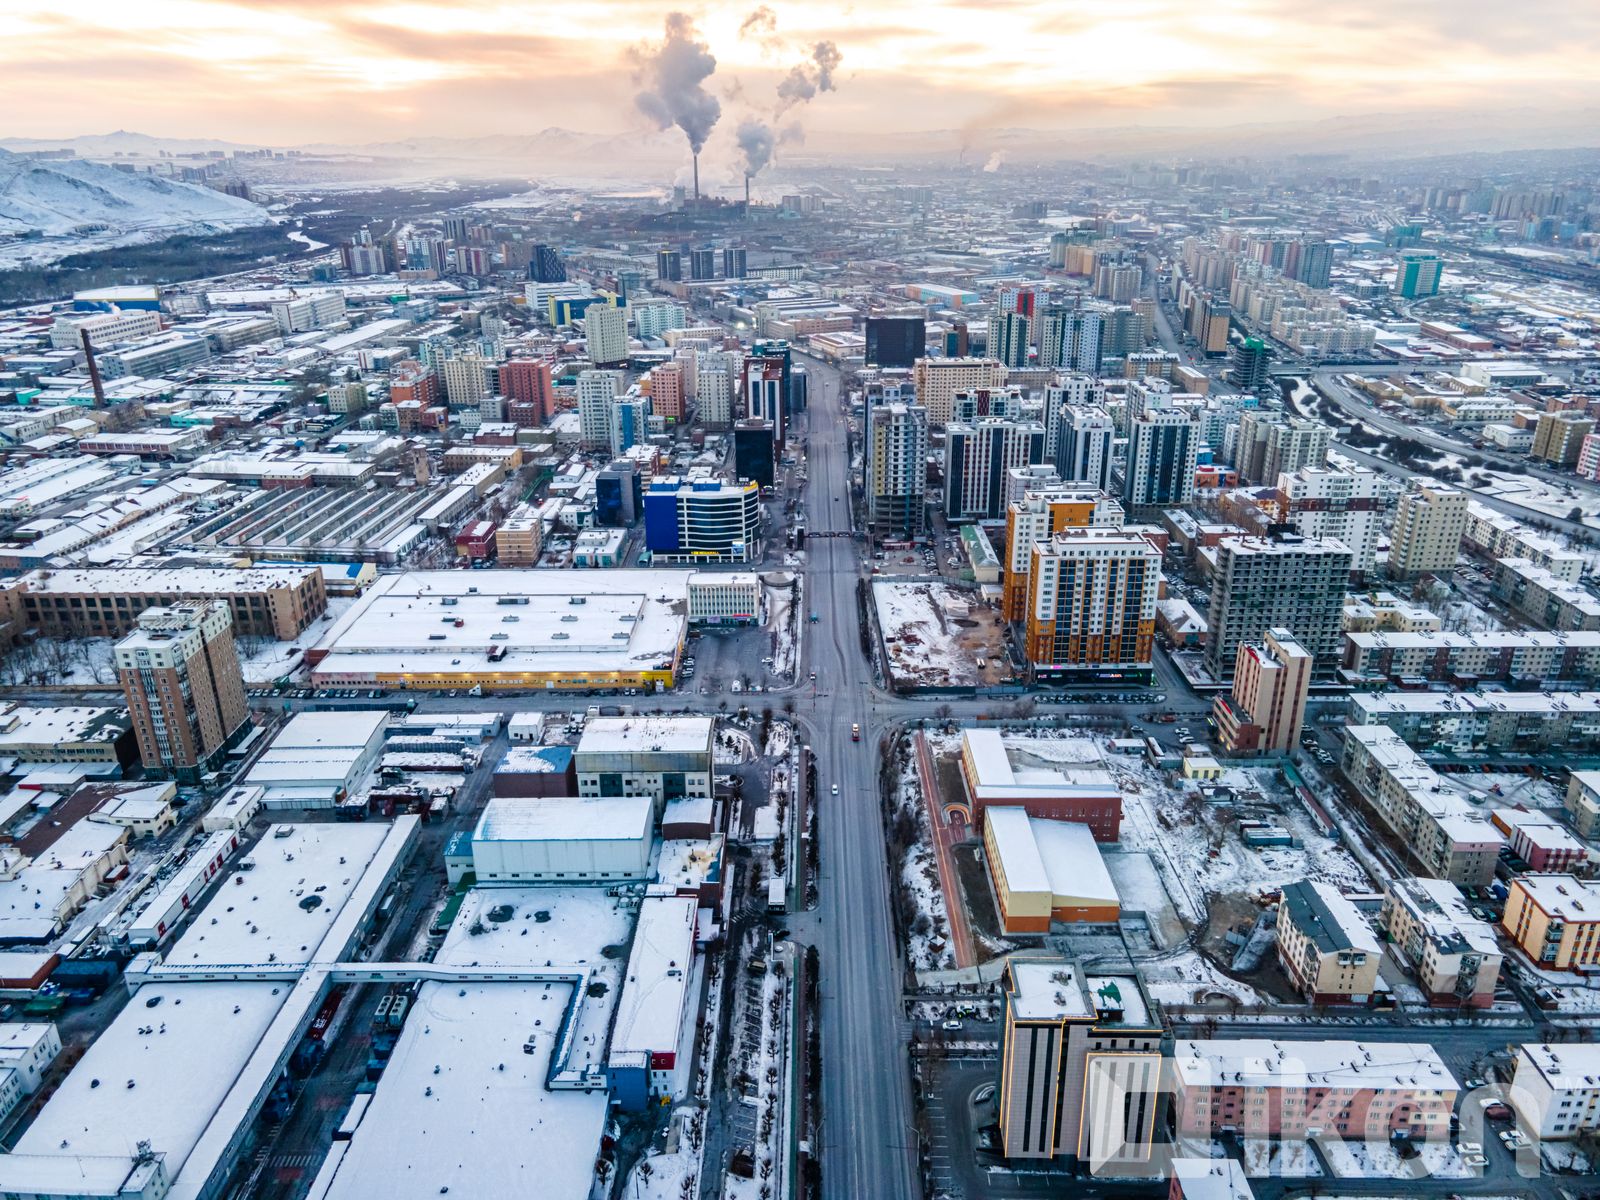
(781, 602)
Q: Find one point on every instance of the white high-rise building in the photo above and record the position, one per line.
(597, 400)
(714, 397)
(605, 331)
(466, 380)
(1345, 506)
(1428, 526)
(1072, 339)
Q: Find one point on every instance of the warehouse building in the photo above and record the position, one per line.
(652, 1050)
(319, 758)
(1045, 871)
(589, 839)
(509, 631)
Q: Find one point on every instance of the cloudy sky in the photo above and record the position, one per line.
(288, 71)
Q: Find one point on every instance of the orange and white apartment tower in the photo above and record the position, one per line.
(1038, 517)
(1091, 610)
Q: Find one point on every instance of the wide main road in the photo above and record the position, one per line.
(868, 1145)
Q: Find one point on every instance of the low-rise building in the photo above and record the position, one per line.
(1583, 802)
(1555, 921)
(1325, 945)
(1045, 871)
(1449, 837)
(1556, 1089)
(724, 598)
(1083, 791)
(1545, 598)
(1290, 1090)
(1526, 658)
(664, 758)
(1080, 1063)
(585, 839)
(1484, 722)
(1541, 842)
(1430, 926)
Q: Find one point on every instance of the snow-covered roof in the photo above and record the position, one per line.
(646, 735)
(1269, 1063)
(655, 995)
(1212, 1179)
(562, 818)
(1328, 918)
(992, 775)
(1564, 896)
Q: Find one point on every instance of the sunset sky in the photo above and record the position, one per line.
(289, 71)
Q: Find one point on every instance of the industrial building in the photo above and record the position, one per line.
(572, 839)
(509, 630)
(664, 758)
(318, 759)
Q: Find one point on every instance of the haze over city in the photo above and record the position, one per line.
(800, 601)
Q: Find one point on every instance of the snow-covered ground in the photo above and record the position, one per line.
(767, 1066)
(928, 938)
(924, 625)
(1379, 1160)
(1540, 496)
(1188, 977)
(783, 618)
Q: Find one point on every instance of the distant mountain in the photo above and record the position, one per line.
(56, 197)
(122, 144)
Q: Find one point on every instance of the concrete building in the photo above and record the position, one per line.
(1417, 275)
(519, 539)
(1081, 792)
(1209, 1179)
(1045, 871)
(1556, 1090)
(665, 758)
(1289, 1090)
(1267, 706)
(1010, 338)
(180, 674)
(937, 380)
(1583, 802)
(1163, 444)
(724, 598)
(977, 460)
(1072, 339)
(1039, 516)
(597, 400)
(1543, 598)
(270, 602)
(1080, 1064)
(1539, 843)
(1431, 929)
(1285, 582)
(605, 332)
(652, 1041)
(1091, 607)
(1335, 505)
(466, 380)
(548, 839)
(1428, 526)
(1485, 722)
(1448, 837)
(1558, 437)
(702, 520)
(1523, 659)
(897, 470)
(1325, 945)
(1495, 535)
(1078, 442)
(1555, 921)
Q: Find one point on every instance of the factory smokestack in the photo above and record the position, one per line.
(94, 369)
(697, 176)
(747, 193)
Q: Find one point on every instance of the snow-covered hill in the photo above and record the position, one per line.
(56, 197)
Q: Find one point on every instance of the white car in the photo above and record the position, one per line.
(836, 789)
(1475, 1160)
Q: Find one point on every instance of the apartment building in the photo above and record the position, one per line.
(1325, 945)
(1429, 523)
(1080, 1063)
(1283, 582)
(937, 380)
(1335, 505)
(180, 674)
(466, 380)
(1482, 722)
(1447, 836)
(1583, 802)
(597, 400)
(1264, 712)
(1495, 535)
(269, 602)
(519, 539)
(1555, 921)
(1292, 1090)
(605, 331)
(1556, 1089)
(1558, 437)
(897, 470)
(1522, 658)
(529, 391)
(978, 458)
(1038, 517)
(1078, 442)
(1431, 929)
(1163, 445)
(1270, 444)
(1091, 607)
(1547, 600)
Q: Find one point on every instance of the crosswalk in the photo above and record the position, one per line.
(280, 1161)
